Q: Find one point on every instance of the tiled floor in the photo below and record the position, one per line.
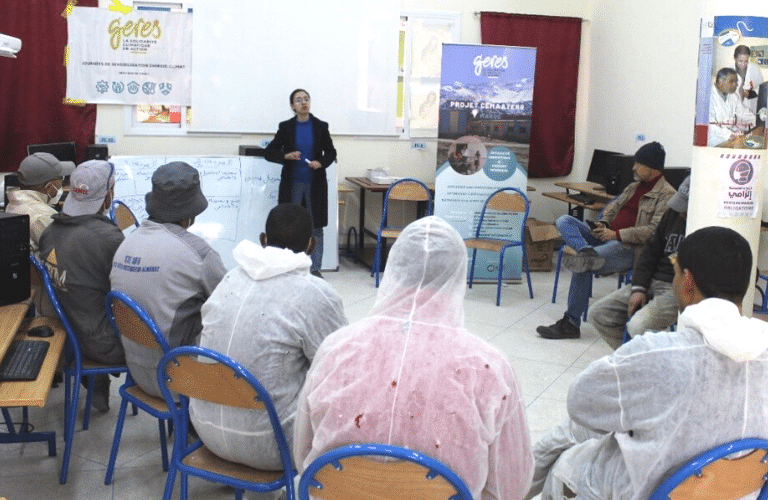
(544, 369)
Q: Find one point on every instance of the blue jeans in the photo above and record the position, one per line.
(300, 195)
(577, 235)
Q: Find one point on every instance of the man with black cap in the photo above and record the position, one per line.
(617, 238)
(169, 271)
(77, 249)
(649, 304)
(40, 176)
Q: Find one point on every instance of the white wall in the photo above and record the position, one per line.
(637, 75)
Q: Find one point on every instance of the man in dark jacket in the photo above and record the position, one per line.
(650, 303)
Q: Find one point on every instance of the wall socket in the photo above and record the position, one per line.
(419, 145)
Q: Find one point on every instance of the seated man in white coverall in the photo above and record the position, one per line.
(663, 398)
(411, 375)
(270, 315)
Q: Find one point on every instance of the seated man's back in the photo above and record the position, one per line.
(270, 315)
(412, 376)
(169, 271)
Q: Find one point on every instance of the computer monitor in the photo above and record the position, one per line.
(598, 168)
(676, 175)
(63, 151)
(762, 103)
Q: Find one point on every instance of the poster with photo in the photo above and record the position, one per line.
(732, 87)
(486, 102)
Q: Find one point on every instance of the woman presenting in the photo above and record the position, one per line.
(303, 145)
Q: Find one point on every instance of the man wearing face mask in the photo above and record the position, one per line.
(77, 249)
(40, 177)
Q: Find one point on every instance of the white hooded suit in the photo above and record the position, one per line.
(270, 315)
(411, 375)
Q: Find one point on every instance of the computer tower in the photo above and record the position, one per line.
(14, 258)
(619, 173)
(96, 152)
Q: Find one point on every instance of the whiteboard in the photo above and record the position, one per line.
(241, 190)
(249, 55)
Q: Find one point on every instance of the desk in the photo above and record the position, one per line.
(757, 135)
(576, 207)
(13, 325)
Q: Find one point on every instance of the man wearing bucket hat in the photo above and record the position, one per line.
(77, 249)
(40, 177)
(649, 304)
(169, 271)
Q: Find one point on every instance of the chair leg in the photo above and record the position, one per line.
(116, 441)
(163, 443)
(557, 273)
(501, 270)
(69, 431)
(377, 260)
(472, 269)
(238, 494)
(527, 270)
(88, 398)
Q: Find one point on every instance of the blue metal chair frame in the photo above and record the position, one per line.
(509, 243)
(132, 394)
(375, 269)
(695, 466)
(764, 296)
(182, 448)
(73, 371)
(434, 467)
(113, 215)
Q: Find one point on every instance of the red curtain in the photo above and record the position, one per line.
(33, 85)
(557, 41)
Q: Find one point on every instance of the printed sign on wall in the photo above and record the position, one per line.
(144, 57)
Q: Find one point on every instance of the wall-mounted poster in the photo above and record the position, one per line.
(732, 88)
(143, 57)
(486, 102)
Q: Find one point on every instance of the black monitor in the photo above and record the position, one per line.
(762, 102)
(63, 151)
(676, 175)
(599, 166)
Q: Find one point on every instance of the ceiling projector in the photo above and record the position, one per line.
(9, 45)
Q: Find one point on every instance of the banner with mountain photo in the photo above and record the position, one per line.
(486, 102)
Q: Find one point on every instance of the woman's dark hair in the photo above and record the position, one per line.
(720, 261)
(290, 100)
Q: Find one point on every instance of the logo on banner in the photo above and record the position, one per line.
(493, 65)
(742, 172)
(135, 36)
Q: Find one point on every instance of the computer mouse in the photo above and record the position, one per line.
(40, 331)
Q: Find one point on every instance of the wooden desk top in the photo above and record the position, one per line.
(365, 183)
(11, 317)
(756, 135)
(590, 188)
(567, 199)
(14, 325)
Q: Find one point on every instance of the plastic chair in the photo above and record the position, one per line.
(75, 367)
(122, 216)
(764, 296)
(507, 200)
(196, 372)
(348, 472)
(401, 190)
(707, 476)
(131, 321)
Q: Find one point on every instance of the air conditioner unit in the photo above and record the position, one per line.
(9, 46)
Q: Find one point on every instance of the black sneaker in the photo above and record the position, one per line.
(563, 329)
(587, 259)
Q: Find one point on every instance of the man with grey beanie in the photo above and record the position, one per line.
(169, 271)
(649, 304)
(617, 238)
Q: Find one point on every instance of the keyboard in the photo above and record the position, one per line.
(23, 360)
(582, 198)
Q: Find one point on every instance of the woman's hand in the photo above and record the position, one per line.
(293, 156)
(314, 165)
